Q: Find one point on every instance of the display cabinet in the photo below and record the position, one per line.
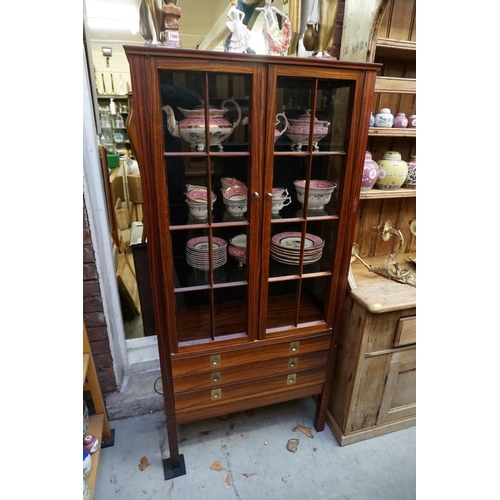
(249, 276)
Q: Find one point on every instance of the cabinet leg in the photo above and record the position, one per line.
(173, 466)
(321, 407)
(170, 471)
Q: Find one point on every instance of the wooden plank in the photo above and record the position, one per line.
(403, 23)
(392, 132)
(379, 294)
(390, 43)
(86, 361)
(396, 85)
(96, 424)
(360, 29)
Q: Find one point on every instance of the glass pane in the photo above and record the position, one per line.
(312, 299)
(184, 94)
(193, 315)
(319, 257)
(297, 98)
(285, 249)
(282, 296)
(230, 310)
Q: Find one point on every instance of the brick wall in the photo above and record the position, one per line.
(93, 314)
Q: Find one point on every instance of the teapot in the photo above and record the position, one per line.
(299, 128)
(192, 127)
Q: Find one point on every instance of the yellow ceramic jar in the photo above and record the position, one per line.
(393, 171)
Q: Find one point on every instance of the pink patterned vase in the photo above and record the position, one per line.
(370, 172)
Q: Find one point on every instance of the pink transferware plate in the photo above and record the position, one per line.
(201, 243)
(292, 239)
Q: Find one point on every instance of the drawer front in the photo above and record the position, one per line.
(248, 371)
(251, 353)
(241, 390)
(406, 332)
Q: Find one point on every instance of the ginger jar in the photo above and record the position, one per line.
(370, 172)
(400, 121)
(411, 179)
(384, 118)
(393, 171)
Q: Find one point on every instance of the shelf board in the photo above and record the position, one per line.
(392, 132)
(393, 85)
(114, 96)
(374, 193)
(389, 47)
(86, 362)
(96, 424)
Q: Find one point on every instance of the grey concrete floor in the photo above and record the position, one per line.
(255, 463)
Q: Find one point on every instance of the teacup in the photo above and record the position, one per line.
(279, 203)
(279, 192)
(228, 182)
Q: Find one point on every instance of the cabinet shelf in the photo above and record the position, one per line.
(392, 132)
(374, 194)
(393, 85)
(390, 47)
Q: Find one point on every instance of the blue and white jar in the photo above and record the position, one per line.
(384, 118)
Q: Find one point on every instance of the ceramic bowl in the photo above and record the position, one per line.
(240, 254)
(320, 192)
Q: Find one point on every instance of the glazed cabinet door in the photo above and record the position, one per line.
(307, 177)
(211, 177)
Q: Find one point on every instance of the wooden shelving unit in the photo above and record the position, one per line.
(98, 423)
(375, 368)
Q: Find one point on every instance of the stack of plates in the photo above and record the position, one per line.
(285, 248)
(197, 255)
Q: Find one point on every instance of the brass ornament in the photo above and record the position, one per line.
(391, 268)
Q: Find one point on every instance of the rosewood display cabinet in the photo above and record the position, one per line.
(235, 334)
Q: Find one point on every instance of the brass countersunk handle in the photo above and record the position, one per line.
(269, 195)
(256, 195)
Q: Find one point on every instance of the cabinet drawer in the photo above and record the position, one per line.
(257, 386)
(252, 353)
(407, 332)
(216, 378)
